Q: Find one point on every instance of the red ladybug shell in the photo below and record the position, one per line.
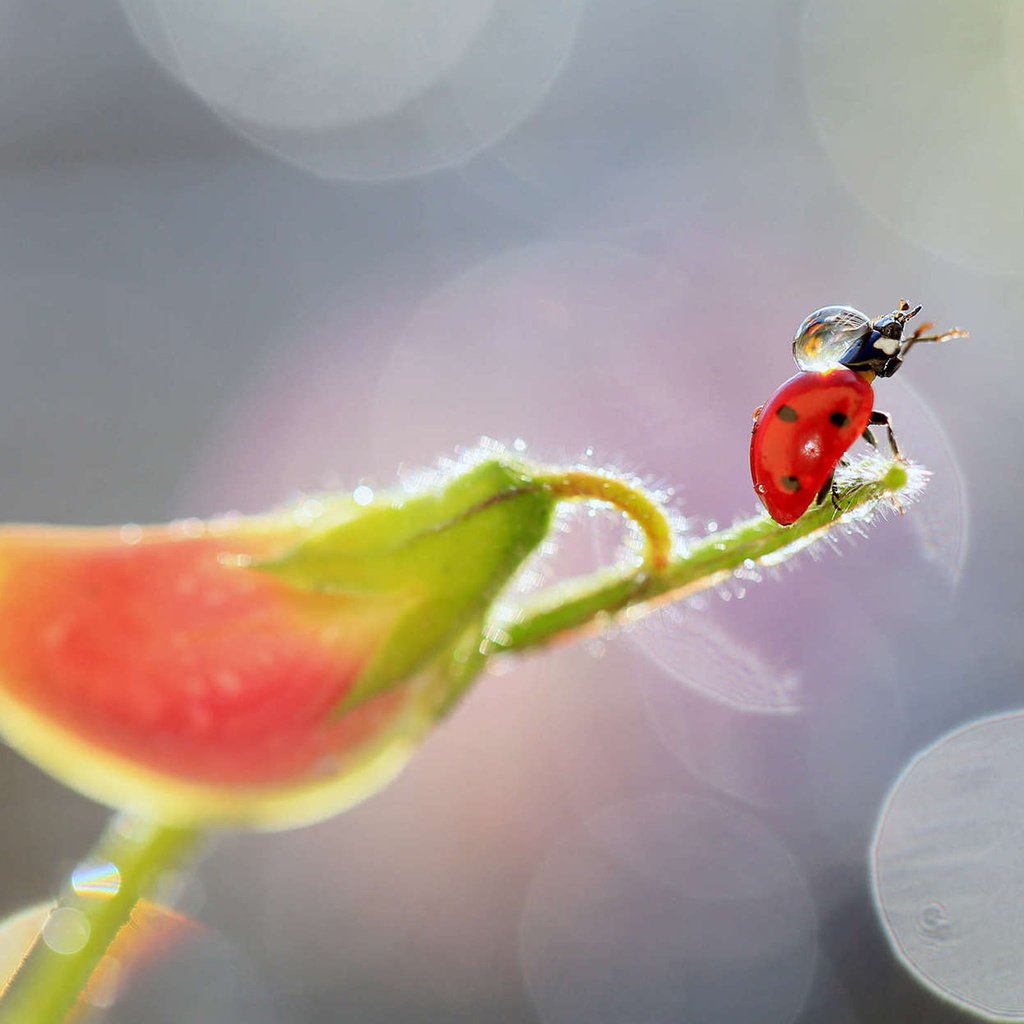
(801, 433)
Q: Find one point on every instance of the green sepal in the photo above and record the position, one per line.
(442, 557)
(451, 674)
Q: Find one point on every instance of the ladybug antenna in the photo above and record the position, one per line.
(891, 325)
(904, 312)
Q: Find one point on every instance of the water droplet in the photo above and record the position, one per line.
(235, 561)
(500, 665)
(712, 526)
(131, 533)
(190, 527)
(362, 495)
(497, 635)
(307, 511)
(749, 572)
(827, 335)
(519, 444)
(66, 931)
(224, 523)
(96, 879)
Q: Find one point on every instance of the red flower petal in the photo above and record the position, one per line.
(169, 656)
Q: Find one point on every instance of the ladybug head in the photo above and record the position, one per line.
(891, 325)
(880, 349)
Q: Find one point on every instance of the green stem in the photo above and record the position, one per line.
(582, 484)
(589, 603)
(88, 917)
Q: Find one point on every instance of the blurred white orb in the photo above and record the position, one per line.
(295, 65)
(947, 867)
(357, 90)
(826, 335)
(912, 104)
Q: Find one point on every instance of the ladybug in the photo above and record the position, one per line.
(802, 432)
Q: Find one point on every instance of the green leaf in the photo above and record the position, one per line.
(445, 556)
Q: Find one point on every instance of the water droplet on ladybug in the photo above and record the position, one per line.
(827, 335)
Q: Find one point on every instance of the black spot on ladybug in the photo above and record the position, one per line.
(840, 419)
(790, 483)
(787, 414)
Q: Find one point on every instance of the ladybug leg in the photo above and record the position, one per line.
(881, 419)
(829, 487)
(920, 335)
(950, 335)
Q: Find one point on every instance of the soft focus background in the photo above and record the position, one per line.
(250, 247)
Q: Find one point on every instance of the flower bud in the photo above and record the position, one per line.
(265, 670)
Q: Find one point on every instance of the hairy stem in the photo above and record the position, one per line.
(591, 602)
(581, 485)
(66, 955)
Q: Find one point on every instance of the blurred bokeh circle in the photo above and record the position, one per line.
(947, 867)
(356, 90)
(162, 966)
(914, 106)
